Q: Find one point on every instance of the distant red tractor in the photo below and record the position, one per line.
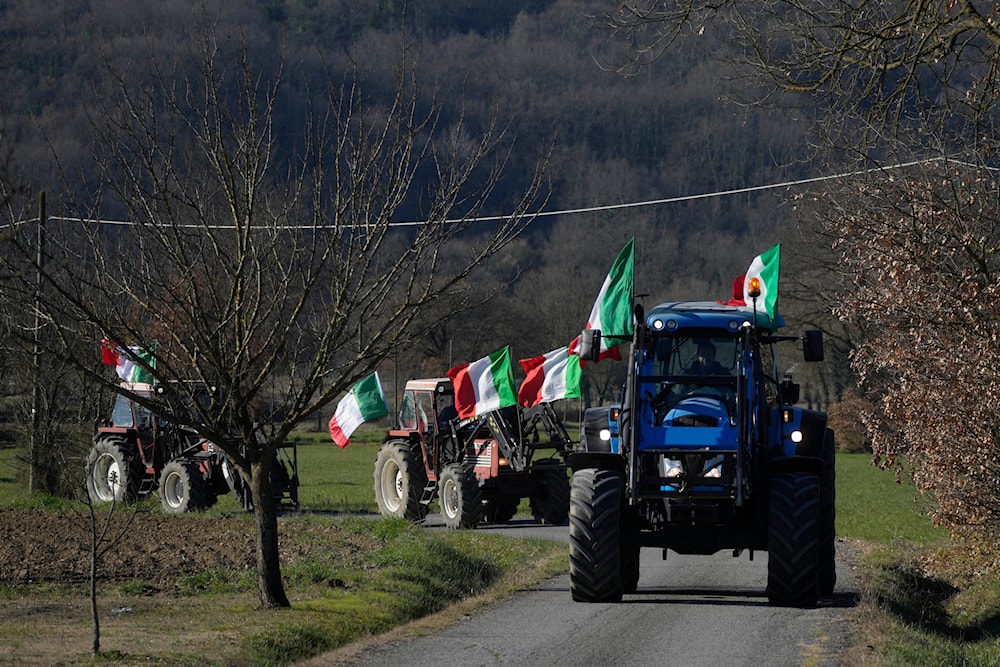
(134, 453)
(479, 469)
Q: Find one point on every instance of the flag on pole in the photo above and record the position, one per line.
(364, 403)
(612, 312)
(550, 377)
(129, 364)
(484, 385)
(764, 267)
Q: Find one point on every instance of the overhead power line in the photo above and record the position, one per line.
(570, 211)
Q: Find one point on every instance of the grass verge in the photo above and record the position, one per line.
(347, 578)
(925, 600)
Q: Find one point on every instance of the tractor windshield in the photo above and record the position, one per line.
(693, 356)
(689, 380)
(126, 414)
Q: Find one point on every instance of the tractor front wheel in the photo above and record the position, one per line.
(595, 567)
(113, 472)
(399, 482)
(793, 542)
(460, 496)
(182, 487)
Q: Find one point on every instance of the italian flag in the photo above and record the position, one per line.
(484, 385)
(550, 377)
(127, 363)
(765, 267)
(612, 312)
(364, 403)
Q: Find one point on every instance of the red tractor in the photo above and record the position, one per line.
(135, 453)
(479, 468)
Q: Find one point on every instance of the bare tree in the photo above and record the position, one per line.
(280, 280)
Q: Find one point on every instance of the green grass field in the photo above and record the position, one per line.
(872, 507)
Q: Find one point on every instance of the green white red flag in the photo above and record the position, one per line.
(364, 403)
(612, 311)
(764, 267)
(129, 364)
(550, 377)
(484, 385)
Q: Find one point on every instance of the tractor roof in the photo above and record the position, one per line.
(680, 315)
(439, 385)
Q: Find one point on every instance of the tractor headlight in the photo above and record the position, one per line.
(795, 436)
(605, 435)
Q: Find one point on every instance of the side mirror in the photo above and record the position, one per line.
(812, 345)
(590, 344)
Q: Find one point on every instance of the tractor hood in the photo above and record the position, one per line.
(698, 411)
(697, 422)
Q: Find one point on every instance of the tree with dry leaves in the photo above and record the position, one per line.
(280, 279)
(923, 253)
(916, 247)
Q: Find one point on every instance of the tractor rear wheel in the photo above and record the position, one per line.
(550, 492)
(501, 509)
(595, 571)
(793, 544)
(182, 487)
(828, 518)
(113, 472)
(399, 482)
(460, 496)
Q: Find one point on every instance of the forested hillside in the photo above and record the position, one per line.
(545, 68)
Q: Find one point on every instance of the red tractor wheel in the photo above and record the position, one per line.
(113, 472)
(182, 487)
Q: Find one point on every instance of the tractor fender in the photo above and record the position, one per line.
(810, 464)
(598, 460)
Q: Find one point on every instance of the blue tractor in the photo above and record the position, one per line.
(706, 452)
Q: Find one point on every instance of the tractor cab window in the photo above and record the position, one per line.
(446, 411)
(121, 415)
(682, 367)
(416, 406)
(694, 355)
(143, 418)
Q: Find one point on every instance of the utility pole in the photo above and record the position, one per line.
(36, 388)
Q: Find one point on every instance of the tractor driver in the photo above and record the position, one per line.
(705, 363)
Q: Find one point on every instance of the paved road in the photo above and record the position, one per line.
(688, 611)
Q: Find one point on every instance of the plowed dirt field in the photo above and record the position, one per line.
(55, 546)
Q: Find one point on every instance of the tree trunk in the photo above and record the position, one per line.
(271, 588)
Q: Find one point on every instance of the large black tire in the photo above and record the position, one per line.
(460, 497)
(595, 572)
(114, 472)
(794, 540)
(501, 509)
(828, 517)
(182, 487)
(550, 492)
(399, 482)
